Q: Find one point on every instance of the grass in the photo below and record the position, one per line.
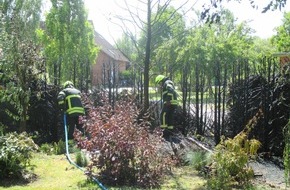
(184, 178)
(54, 172)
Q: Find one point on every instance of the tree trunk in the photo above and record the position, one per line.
(147, 58)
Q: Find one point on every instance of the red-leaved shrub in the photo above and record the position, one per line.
(123, 150)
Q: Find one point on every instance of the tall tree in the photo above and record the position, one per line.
(68, 40)
(169, 33)
(152, 28)
(20, 58)
(210, 50)
(282, 39)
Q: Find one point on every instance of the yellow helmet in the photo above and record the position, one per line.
(68, 84)
(159, 78)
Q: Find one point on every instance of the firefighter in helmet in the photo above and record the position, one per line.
(69, 100)
(169, 104)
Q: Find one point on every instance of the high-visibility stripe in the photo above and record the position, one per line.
(163, 118)
(174, 102)
(71, 109)
(171, 95)
(75, 110)
(166, 127)
(73, 95)
(163, 126)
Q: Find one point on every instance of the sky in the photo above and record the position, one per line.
(104, 21)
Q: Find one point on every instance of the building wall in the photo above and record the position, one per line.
(103, 64)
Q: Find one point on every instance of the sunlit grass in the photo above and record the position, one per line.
(184, 178)
(53, 172)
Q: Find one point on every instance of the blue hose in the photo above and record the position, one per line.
(69, 158)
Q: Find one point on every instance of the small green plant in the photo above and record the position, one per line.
(2, 129)
(59, 147)
(15, 154)
(46, 148)
(72, 147)
(230, 160)
(197, 159)
(81, 159)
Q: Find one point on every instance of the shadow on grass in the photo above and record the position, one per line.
(22, 180)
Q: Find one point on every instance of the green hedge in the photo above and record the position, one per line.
(15, 154)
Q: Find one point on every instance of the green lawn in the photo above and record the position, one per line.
(54, 172)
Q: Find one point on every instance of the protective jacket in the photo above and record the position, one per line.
(168, 93)
(169, 99)
(69, 99)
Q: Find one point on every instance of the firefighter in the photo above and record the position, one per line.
(169, 104)
(69, 100)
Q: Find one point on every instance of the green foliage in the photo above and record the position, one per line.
(286, 154)
(282, 39)
(68, 42)
(59, 147)
(20, 58)
(81, 159)
(15, 154)
(46, 148)
(230, 160)
(2, 129)
(198, 159)
(122, 148)
(126, 78)
(127, 46)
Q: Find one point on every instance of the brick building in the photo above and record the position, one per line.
(109, 64)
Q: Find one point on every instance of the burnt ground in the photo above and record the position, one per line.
(269, 173)
(268, 170)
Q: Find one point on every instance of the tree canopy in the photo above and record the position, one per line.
(68, 40)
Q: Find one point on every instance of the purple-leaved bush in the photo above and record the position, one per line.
(123, 150)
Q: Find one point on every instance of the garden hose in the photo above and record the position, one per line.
(69, 158)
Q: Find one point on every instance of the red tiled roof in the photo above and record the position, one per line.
(108, 49)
